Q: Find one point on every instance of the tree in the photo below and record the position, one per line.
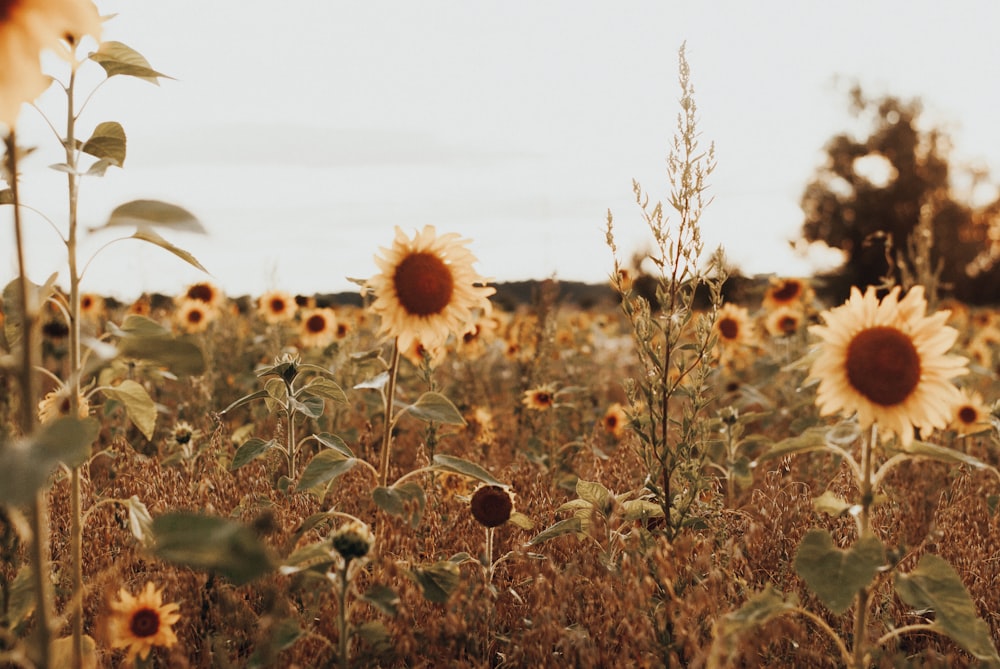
(871, 195)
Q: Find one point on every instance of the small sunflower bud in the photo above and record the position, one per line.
(352, 540)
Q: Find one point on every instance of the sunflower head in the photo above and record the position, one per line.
(540, 398)
(427, 288)
(142, 622)
(971, 415)
(888, 362)
(56, 404)
(353, 540)
(276, 306)
(491, 505)
(318, 327)
(193, 316)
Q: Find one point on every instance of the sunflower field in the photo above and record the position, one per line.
(428, 473)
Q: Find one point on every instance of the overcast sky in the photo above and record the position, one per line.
(301, 132)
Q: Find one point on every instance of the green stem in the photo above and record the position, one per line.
(39, 551)
(864, 529)
(342, 641)
(390, 394)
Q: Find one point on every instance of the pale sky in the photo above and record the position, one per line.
(301, 133)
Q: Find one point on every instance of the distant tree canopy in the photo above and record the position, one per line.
(869, 197)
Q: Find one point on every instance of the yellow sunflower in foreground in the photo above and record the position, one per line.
(888, 362)
(27, 27)
(427, 288)
(139, 623)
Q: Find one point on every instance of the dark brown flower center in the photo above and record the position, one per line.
(968, 415)
(201, 291)
(786, 291)
(144, 623)
(543, 398)
(788, 324)
(195, 316)
(315, 324)
(729, 328)
(491, 506)
(883, 365)
(424, 284)
(277, 305)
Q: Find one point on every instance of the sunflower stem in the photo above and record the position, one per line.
(39, 551)
(342, 641)
(864, 529)
(390, 394)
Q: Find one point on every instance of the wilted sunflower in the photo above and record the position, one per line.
(317, 328)
(491, 505)
(276, 306)
(56, 404)
(887, 361)
(139, 623)
(27, 27)
(427, 288)
(540, 398)
(971, 414)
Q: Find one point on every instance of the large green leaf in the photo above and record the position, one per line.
(154, 213)
(212, 544)
(813, 439)
(25, 465)
(149, 235)
(395, 499)
(599, 497)
(250, 450)
(138, 404)
(935, 585)
(325, 466)
(837, 575)
(450, 463)
(325, 388)
(334, 442)
(117, 58)
(924, 449)
(145, 339)
(437, 581)
(435, 407)
(568, 526)
(107, 143)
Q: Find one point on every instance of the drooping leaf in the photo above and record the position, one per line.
(756, 611)
(597, 495)
(334, 442)
(834, 574)
(140, 522)
(25, 465)
(107, 143)
(6, 196)
(148, 235)
(383, 598)
(375, 383)
(924, 449)
(145, 214)
(212, 544)
(813, 439)
(246, 399)
(456, 465)
(394, 499)
(437, 581)
(139, 406)
(436, 407)
(117, 58)
(518, 519)
(325, 466)
(145, 339)
(567, 526)
(831, 504)
(250, 450)
(935, 585)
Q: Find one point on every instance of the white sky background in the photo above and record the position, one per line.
(301, 133)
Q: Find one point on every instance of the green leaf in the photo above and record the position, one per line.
(383, 598)
(334, 442)
(211, 544)
(117, 58)
(317, 556)
(375, 383)
(935, 585)
(250, 450)
(518, 519)
(20, 599)
(148, 235)
(640, 509)
(325, 466)
(139, 521)
(813, 439)
(144, 339)
(597, 495)
(310, 407)
(924, 449)
(324, 388)
(25, 465)
(107, 143)
(6, 196)
(394, 500)
(437, 581)
(375, 634)
(837, 575)
(246, 399)
(450, 463)
(831, 504)
(756, 611)
(435, 407)
(563, 527)
(150, 213)
(139, 405)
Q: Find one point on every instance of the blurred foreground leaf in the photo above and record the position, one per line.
(935, 585)
(437, 581)
(138, 404)
(396, 500)
(145, 339)
(756, 611)
(25, 465)
(211, 544)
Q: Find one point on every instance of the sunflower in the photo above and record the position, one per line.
(540, 398)
(139, 623)
(276, 306)
(887, 361)
(92, 307)
(353, 540)
(427, 288)
(317, 328)
(417, 354)
(733, 326)
(787, 292)
(971, 414)
(615, 420)
(27, 27)
(203, 291)
(56, 404)
(783, 321)
(491, 505)
(194, 316)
